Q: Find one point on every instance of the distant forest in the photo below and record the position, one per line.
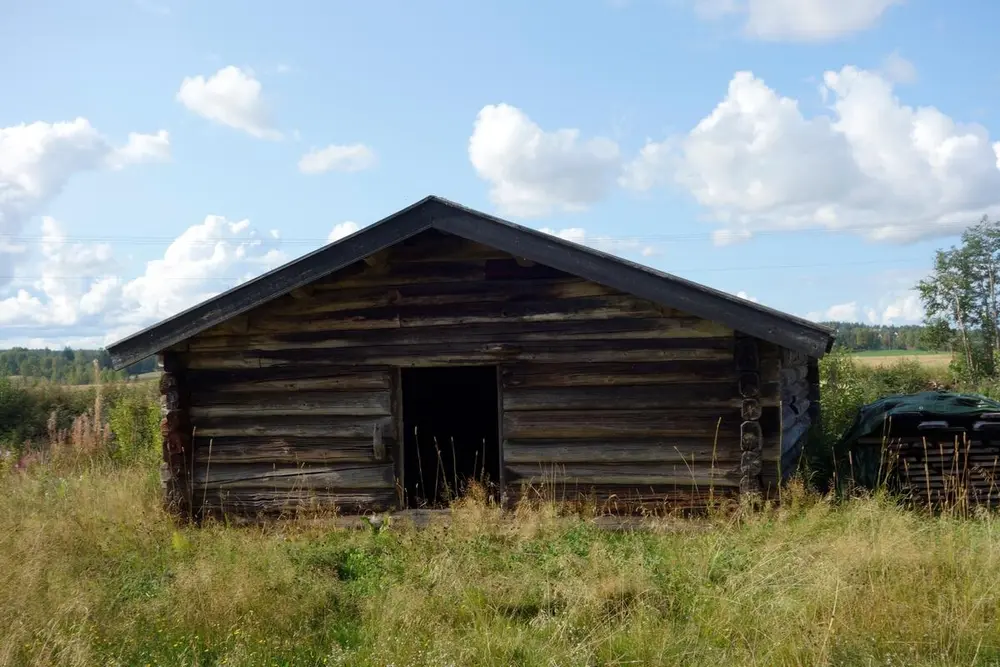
(77, 366)
(67, 366)
(859, 337)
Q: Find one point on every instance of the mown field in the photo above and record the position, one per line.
(934, 361)
(95, 573)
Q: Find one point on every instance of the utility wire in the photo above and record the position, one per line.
(704, 269)
(687, 236)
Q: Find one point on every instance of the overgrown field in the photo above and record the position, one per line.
(96, 574)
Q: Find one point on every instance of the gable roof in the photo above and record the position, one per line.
(436, 213)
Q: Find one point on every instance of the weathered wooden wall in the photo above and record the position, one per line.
(799, 411)
(296, 401)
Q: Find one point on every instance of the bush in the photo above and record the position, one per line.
(134, 417)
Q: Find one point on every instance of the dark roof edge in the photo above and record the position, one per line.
(434, 212)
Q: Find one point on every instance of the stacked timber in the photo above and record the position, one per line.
(938, 462)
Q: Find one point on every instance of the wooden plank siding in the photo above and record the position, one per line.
(601, 392)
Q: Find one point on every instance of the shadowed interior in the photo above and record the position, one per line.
(450, 432)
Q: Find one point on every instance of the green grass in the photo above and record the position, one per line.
(96, 574)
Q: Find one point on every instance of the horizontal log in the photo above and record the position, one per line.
(360, 274)
(620, 499)
(304, 477)
(457, 294)
(471, 353)
(570, 374)
(303, 426)
(296, 378)
(248, 501)
(697, 395)
(394, 316)
(587, 374)
(603, 424)
(210, 404)
(581, 474)
(497, 332)
(282, 450)
(672, 450)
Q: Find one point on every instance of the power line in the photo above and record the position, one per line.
(688, 236)
(712, 269)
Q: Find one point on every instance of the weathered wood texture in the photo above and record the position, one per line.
(957, 470)
(747, 357)
(799, 407)
(175, 432)
(295, 402)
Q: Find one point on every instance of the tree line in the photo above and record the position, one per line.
(859, 337)
(67, 366)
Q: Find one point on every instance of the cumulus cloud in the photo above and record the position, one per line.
(81, 296)
(894, 307)
(743, 295)
(614, 246)
(873, 165)
(355, 157)
(533, 172)
(232, 97)
(38, 159)
(798, 20)
(340, 231)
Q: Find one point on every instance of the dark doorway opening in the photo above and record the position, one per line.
(450, 433)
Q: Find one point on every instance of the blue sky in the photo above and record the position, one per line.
(810, 154)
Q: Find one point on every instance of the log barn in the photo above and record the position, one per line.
(441, 345)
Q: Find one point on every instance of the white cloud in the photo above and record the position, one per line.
(872, 166)
(81, 296)
(615, 246)
(798, 20)
(141, 148)
(231, 96)
(340, 231)
(533, 172)
(355, 157)
(894, 307)
(897, 69)
(38, 159)
(743, 295)
(841, 312)
(904, 308)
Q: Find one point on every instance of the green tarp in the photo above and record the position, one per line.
(909, 409)
(900, 416)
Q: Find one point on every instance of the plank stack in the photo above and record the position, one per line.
(943, 463)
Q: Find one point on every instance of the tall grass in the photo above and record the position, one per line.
(95, 573)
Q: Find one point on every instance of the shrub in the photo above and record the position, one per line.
(134, 417)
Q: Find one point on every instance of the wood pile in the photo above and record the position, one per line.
(939, 462)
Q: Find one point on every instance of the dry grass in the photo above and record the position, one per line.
(934, 362)
(95, 573)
